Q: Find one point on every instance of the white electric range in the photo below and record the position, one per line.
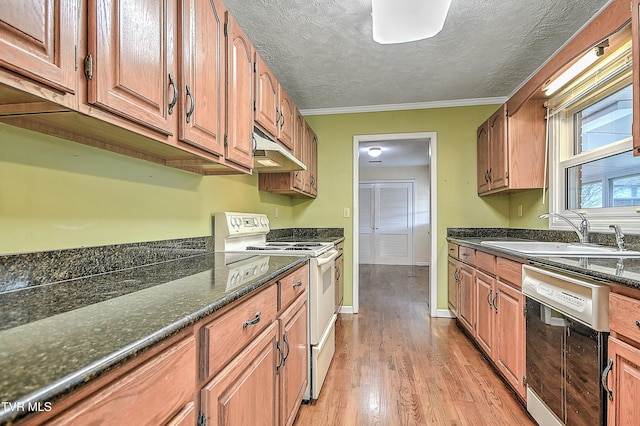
(246, 233)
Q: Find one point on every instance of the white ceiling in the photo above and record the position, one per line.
(322, 51)
(396, 153)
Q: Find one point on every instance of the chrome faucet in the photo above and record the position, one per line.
(619, 237)
(582, 231)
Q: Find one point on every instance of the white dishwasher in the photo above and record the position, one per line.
(567, 330)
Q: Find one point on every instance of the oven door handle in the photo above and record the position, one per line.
(327, 257)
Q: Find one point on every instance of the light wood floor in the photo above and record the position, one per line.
(394, 365)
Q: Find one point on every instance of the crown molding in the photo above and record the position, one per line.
(404, 107)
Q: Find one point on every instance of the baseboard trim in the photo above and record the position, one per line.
(345, 310)
(423, 263)
(444, 313)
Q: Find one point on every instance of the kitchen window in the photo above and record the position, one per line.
(592, 167)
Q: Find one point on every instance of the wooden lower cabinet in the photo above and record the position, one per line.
(466, 297)
(510, 339)
(485, 311)
(453, 282)
(623, 379)
(490, 306)
(159, 391)
(624, 383)
(245, 392)
(293, 370)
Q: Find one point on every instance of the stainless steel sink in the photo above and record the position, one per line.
(553, 248)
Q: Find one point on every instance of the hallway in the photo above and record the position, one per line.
(396, 366)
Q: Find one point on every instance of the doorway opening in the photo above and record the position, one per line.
(396, 190)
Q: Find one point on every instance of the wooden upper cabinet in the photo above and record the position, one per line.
(286, 122)
(267, 107)
(312, 164)
(202, 75)
(483, 157)
(38, 40)
(498, 166)
(299, 149)
(511, 150)
(635, 42)
(239, 144)
(132, 73)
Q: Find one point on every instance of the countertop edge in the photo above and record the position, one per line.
(66, 385)
(475, 242)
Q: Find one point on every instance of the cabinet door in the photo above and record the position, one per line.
(452, 283)
(267, 112)
(38, 40)
(510, 339)
(294, 369)
(624, 382)
(202, 75)
(245, 392)
(150, 394)
(635, 35)
(466, 307)
(286, 124)
(239, 146)
(485, 314)
(339, 282)
(483, 157)
(498, 160)
(131, 43)
(299, 147)
(312, 165)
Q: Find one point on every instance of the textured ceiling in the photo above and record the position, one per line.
(322, 51)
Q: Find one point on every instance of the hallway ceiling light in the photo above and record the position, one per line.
(375, 152)
(402, 21)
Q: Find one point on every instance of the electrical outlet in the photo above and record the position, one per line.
(346, 212)
(519, 210)
(275, 212)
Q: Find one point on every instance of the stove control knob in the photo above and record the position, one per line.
(255, 221)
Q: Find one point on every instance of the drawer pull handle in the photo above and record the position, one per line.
(254, 321)
(298, 284)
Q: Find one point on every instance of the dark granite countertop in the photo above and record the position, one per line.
(624, 271)
(56, 337)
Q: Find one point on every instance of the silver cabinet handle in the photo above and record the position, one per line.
(495, 302)
(281, 362)
(192, 106)
(489, 297)
(605, 375)
(173, 102)
(254, 321)
(298, 284)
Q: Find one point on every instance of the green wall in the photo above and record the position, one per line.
(457, 200)
(58, 194)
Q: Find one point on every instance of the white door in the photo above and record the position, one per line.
(386, 223)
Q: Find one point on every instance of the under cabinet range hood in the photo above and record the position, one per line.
(271, 157)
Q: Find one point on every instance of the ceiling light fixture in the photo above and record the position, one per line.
(375, 152)
(576, 69)
(402, 21)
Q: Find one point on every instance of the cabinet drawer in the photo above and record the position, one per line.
(467, 255)
(624, 316)
(509, 271)
(292, 286)
(486, 262)
(150, 394)
(226, 335)
(453, 250)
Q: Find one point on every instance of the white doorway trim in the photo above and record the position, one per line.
(433, 272)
